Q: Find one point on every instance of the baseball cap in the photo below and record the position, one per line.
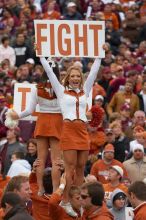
(30, 60)
(109, 148)
(108, 131)
(118, 169)
(99, 97)
(71, 4)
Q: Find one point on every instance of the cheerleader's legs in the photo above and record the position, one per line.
(42, 149)
(55, 158)
(70, 162)
(82, 156)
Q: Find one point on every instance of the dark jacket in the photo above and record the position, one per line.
(141, 103)
(121, 146)
(18, 213)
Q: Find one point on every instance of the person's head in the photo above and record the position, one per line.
(139, 118)
(106, 73)
(20, 39)
(108, 153)
(13, 134)
(132, 75)
(30, 63)
(5, 41)
(71, 8)
(99, 100)
(110, 137)
(130, 14)
(119, 59)
(137, 193)
(63, 74)
(126, 181)
(119, 71)
(118, 199)
(24, 71)
(138, 152)
(115, 173)
(115, 116)
(74, 197)
(125, 110)
(129, 86)
(92, 195)
(109, 24)
(9, 201)
(107, 8)
(17, 156)
(116, 128)
(74, 78)
(20, 185)
(32, 146)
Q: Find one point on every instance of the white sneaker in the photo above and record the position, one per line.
(68, 209)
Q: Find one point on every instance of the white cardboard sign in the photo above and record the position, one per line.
(61, 38)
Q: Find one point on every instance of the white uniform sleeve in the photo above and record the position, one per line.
(57, 87)
(92, 76)
(32, 104)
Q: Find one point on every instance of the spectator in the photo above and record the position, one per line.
(51, 13)
(92, 195)
(139, 119)
(112, 36)
(142, 97)
(124, 96)
(72, 13)
(22, 51)
(31, 154)
(109, 15)
(13, 208)
(13, 145)
(119, 203)
(20, 185)
(121, 143)
(137, 197)
(115, 177)
(19, 165)
(136, 166)
(7, 52)
(100, 169)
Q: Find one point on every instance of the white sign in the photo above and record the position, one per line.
(61, 38)
(22, 96)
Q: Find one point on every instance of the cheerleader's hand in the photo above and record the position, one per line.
(13, 114)
(11, 121)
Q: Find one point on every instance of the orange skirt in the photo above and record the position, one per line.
(49, 125)
(74, 136)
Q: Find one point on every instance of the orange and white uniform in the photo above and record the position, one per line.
(73, 103)
(49, 121)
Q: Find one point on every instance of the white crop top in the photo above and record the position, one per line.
(73, 103)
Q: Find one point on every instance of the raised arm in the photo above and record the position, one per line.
(31, 106)
(92, 76)
(57, 87)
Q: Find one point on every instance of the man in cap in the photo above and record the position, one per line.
(72, 13)
(136, 166)
(116, 174)
(100, 169)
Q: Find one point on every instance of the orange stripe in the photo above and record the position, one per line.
(77, 95)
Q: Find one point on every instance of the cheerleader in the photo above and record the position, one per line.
(74, 140)
(48, 128)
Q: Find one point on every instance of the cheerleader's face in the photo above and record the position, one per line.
(75, 79)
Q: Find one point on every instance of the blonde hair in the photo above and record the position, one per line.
(69, 70)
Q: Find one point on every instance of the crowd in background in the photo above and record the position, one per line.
(116, 126)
